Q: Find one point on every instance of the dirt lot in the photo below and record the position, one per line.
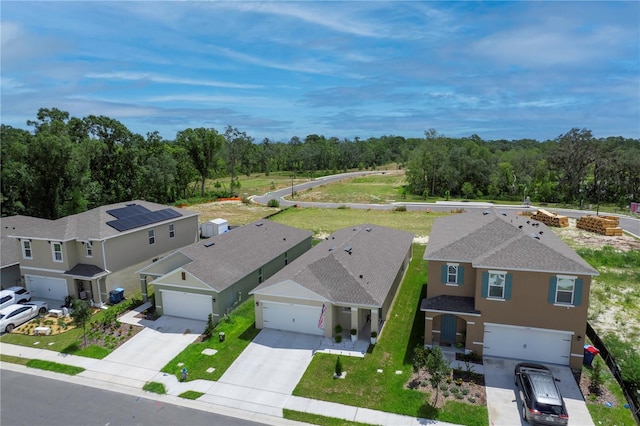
(236, 212)
(577, 238)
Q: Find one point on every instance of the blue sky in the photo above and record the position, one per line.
(501, 70)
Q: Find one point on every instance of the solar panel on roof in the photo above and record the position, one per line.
(129, 210)
(209, 243)
(127, 222)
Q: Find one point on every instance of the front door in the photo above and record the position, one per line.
(448, 329)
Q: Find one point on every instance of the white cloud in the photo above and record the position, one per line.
(162, 79)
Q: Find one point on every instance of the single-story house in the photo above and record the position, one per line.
(505, 285)
(213, 275)
(350, 278)
(79, 255)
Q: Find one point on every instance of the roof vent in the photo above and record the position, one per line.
(369, 229)
(209, 243)
(348, 249)
(332, 248)
(528, 221)
(484, 213)
(540, 232)
(535, 236)
(360, 276)
(503, 213)
(259, 224)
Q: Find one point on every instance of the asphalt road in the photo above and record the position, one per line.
(33, 401)
(627, 223)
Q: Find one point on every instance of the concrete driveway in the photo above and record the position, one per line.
(156, 345)
(503, 401)
(274, 361)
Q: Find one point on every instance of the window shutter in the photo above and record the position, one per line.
(444, 270)
(577, 297)
(507, 287)
(485, 284)
(460, 275)
(553, 282)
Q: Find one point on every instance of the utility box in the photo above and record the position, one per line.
(116, 296)
(214, 227)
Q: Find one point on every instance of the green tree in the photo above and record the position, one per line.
(338, 369)
(571, 158)
(81, 313)
(438, 368)
(238, 146)
(202, 145)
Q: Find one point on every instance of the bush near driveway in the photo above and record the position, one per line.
(239, 328)
(386, 391)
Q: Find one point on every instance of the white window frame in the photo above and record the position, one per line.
(491, 282)
(27, 249)
(172, 230)
(346, 309)
(152, 237)
(455, 275)
(55, 252)
(560, 278)
(89, 248)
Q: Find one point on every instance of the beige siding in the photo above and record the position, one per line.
(436, 287)
(134, 247)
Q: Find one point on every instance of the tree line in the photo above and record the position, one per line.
(65, 165)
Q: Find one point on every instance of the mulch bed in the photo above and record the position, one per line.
(460, 386)
(601, 398)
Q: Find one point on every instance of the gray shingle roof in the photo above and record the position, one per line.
(85, 270)
(12, 225)
(502, 240)
(92, 224)
(448, 303)
(237, 253)
(355, 265)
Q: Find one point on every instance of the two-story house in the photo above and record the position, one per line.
(501, 284)
(80, 255)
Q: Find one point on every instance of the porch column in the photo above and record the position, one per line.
(143, 288)
(354, 318)
(375, 320)
(428, 329)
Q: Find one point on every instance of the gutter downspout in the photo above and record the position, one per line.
(104, 262)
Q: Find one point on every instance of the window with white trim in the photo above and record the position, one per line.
(152, 237)
(172, 231)
(26, 249)
(452, 273)
(565, 289)
(89, 248)
(57, 251)
(497, 282)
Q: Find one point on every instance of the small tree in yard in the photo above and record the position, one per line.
(438, 369)
(209, 328)
(596, 380)
(338, 370)
(81, 313)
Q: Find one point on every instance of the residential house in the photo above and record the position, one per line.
(10, 274)
(350, 278)
(81, 255)
(213, 275)
(502, 284)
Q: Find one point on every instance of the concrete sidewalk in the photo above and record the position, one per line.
(224, 398)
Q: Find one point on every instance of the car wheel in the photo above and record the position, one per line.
(9, 328)
(42, 311)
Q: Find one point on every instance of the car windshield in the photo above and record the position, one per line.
(1, 316)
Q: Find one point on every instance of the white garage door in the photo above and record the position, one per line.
(46, 287)
(186, 305)
(525, 343)
(292, 317)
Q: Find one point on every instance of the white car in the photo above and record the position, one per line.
(42, 306)
(22, 294)
(16, 315)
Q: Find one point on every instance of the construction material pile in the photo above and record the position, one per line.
(551, 218)
(605, 225)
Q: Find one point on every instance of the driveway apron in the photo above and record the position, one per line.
(503, 400)
(274, 361)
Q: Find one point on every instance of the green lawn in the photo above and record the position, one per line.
(616, 414)
(326, 221)
(239, 329)
(386, 391)
(71, 370)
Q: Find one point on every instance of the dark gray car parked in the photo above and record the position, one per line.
(541, 399)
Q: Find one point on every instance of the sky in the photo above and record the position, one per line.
(345, 69)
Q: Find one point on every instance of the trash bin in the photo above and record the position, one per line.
(116, 295)
(590, 353)
(221, 336)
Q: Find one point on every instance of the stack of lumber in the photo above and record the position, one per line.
(551, 218)
(605, 225)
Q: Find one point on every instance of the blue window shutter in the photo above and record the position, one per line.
(460, 275)
(577, 296)
(485, 285)
(553, 282)
(444, 270)
(507, 287)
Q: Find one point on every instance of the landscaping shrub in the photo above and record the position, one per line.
(273, 203)
(338, 370)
